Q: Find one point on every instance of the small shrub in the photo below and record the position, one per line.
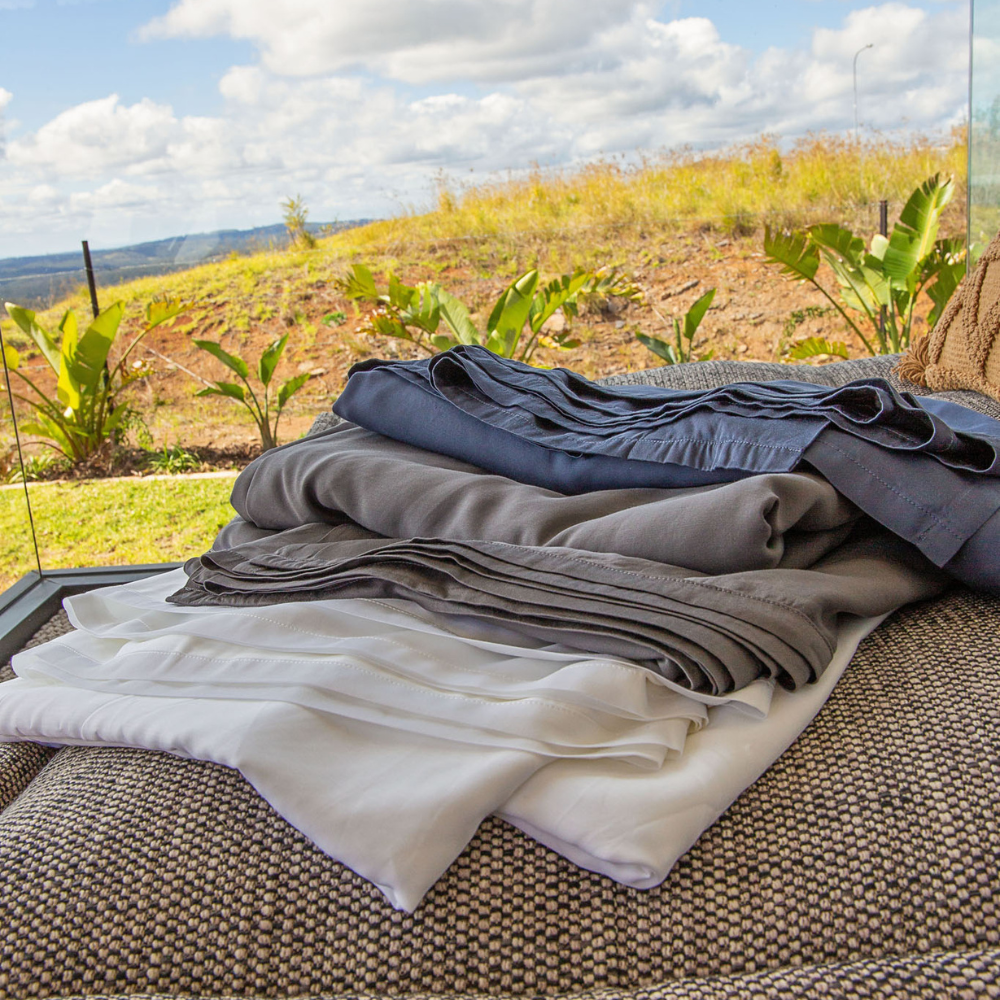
(680, 351)
(514, 326)
(85, 411)
(171, 461)
(295, 215)
(882, 283)
(35, 467)
(265, 409)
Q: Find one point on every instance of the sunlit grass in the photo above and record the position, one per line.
(734, 191)
(112, 522)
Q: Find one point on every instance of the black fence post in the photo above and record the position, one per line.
(88, 264)
(883, 228)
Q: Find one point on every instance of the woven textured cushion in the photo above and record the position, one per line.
(962, 975)
(874, 836)
(963, 349)
(865, 863)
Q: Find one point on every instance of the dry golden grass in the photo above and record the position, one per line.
(734, 191)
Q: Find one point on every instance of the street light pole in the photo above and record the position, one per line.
(870, 45)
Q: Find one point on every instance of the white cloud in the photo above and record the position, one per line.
(616, 79)
(659, 84)
(244, 84)
(44, 194)
(411, 40)
(116, 194)
(90, 138)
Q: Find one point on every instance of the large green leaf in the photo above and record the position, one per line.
(269, 359)
(792, 252)
(289, 388)
(45, 427)
(556, 293)
(114, 418)
(25, 319)
(914, 234)
(660, 348)
(423, 311)
(694, 315)
(359, 284)
(160, 310)
(228, 389)
(69, 378)
(947, 253)
(91, 356)
(948, 278)
(814, 347)
(456, 315)
(838, 241)
(387, 325)
(510, 314)
(231, 361)
(861, 287)
(68, 326)
(443, 343)
(400, 295)
(498, 343)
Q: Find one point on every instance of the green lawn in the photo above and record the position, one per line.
(112, 522)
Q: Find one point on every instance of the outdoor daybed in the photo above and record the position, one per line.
(864, 863)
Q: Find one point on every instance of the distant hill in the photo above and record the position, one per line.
(38, 282)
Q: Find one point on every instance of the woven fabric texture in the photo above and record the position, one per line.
(865, 863)
(20, 762)
(963, 349)
(874, 836)
(956, 975)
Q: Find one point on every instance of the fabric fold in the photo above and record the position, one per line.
(388, 795)
(705, 429)
(634, 827)
(925, 468)
(642, 574)
(709, 634)
(384, 733)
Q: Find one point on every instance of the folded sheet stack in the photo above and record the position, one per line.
(598, 613)
(927, 469)
(645, 574)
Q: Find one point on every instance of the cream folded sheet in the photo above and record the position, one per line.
(386, 732)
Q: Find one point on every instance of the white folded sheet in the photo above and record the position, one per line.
(386, 733)
(633, 826)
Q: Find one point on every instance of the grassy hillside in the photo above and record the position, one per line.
(733, 192)
(678, 223)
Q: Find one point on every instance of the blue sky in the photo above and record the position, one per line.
(139, 119)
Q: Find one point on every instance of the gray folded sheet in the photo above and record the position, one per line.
(712, 586)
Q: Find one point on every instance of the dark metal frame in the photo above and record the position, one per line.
(35, 598)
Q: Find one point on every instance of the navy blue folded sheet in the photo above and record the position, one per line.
(699, 429)
(927, 470)
(405, 410)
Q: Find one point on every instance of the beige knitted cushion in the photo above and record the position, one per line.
(963, 349)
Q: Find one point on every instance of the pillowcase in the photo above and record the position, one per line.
(963, 349)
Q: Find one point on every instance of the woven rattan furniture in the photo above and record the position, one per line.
(865, 863)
